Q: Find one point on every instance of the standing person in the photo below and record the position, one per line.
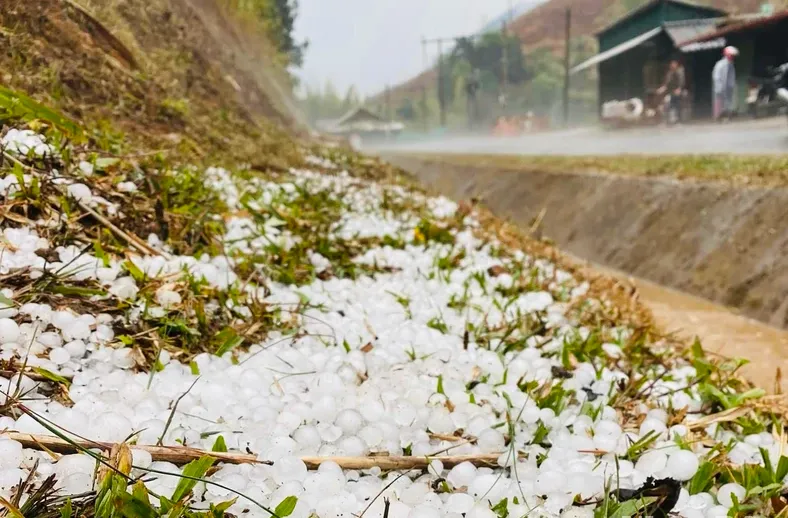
(724, 83)
(675, 86)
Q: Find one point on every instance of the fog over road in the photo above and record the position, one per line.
(769, 136)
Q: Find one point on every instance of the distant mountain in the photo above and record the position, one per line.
(518, 10)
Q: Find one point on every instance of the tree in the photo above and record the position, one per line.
(323, 103)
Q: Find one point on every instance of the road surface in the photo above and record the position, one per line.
(769, 136)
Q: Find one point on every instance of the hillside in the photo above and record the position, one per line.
(161, 71)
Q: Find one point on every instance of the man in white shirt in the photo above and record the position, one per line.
(724, 84)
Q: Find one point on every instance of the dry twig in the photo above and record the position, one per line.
(183, 455)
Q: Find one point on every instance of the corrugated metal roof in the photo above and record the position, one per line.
(615, 51)
(740, 27)
(648, 5)
(688, 30)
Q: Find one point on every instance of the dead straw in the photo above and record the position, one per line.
(181, 455)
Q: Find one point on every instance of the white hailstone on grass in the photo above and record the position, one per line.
(80, 192)
(111, 427)
(652, 426)
(289, 469)
(371, 435)
(126, 187)
(167, 298)
(682, 465)
(550, 482)
(652, 462)
(86, 168)
(461, 475)
(125, 288)
(352, 446)
(77, 463)
(700, 501)
(491, 440)
(50, 339)
(578, 512)
(11, 477)
(658, 414)
(349, 421)
(435, 468)
(123, 358)
(10, 454)
(104, 333)
(718, 511)
(9, 331)
(726, 493)
(76, 349)
(59, 356)
(76, 330)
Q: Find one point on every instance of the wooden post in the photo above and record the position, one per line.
(441, 85)
(567, 52)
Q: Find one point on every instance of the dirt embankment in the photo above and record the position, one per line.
(721, 242)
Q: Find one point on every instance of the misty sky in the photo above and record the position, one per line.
(369, 43)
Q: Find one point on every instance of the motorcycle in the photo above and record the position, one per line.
(770, 93)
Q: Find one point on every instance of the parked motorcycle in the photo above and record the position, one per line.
(769, 94)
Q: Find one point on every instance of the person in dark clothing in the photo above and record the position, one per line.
(675, 88)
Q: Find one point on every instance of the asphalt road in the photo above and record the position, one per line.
(769, 136)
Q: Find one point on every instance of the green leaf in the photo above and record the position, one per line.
(66, 511)
(135, 272)
(140, 492)
(782, 468)
(228, 339)
(130, 506)
(195, 369)
(303, 298)
(10, 508)
(641, 445)
(286, 506)
(346, 345)
(19, 106)
(51, 376)
(78, 291)
(439, 389)
(219, 509)
(219, 445)
(703, 479)
(125, 339)
(5, 301)
(632, 508)
(697, 350)
(767, 462)
(194, 469)
(103, 163)
(501, 508)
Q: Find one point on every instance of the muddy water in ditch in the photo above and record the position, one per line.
(719, 242)
(720, 329)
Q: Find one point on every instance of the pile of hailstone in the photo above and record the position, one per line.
(444, 342)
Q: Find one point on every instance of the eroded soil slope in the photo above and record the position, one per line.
(721, 242)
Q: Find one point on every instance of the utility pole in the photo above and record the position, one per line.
(441, 85)
(388, 103)
(424, 108)
(567, 52)
(504, 65)
(424, 65)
